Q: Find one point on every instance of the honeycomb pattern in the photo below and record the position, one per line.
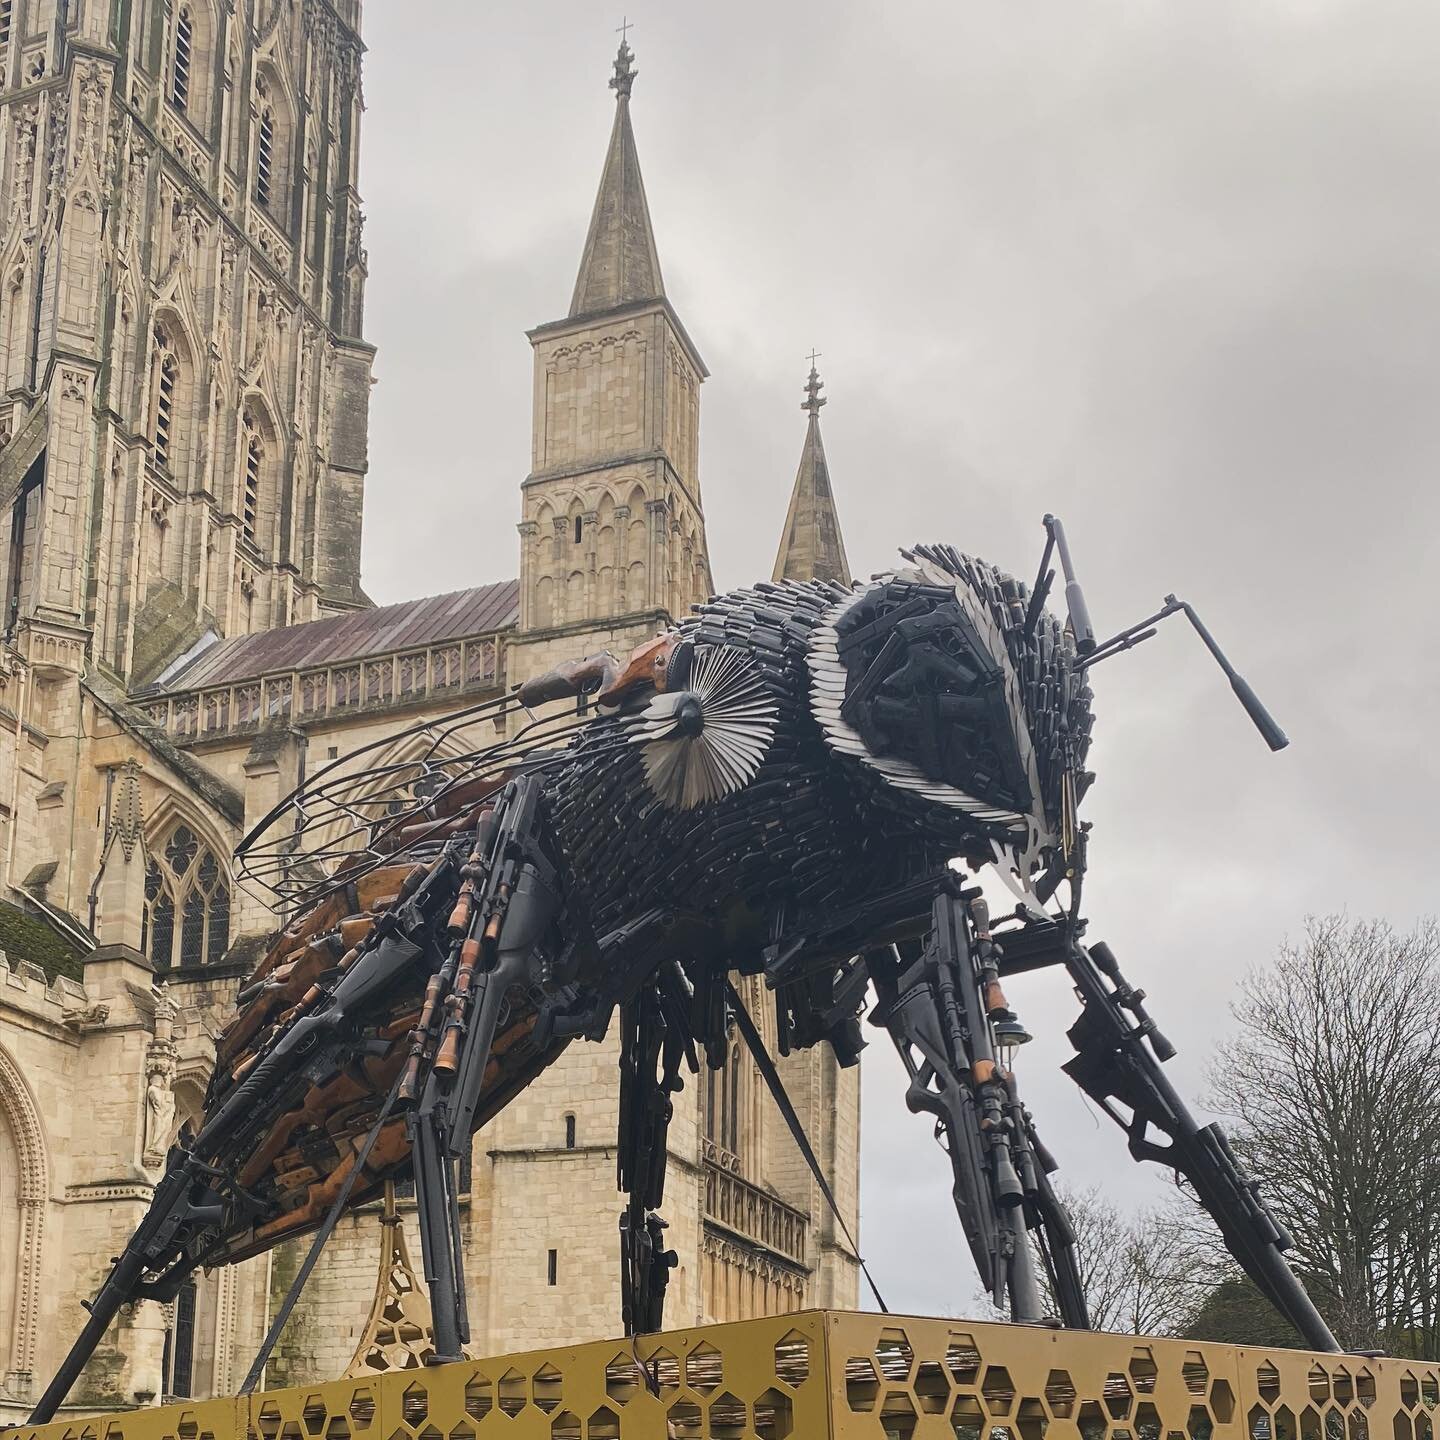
(821, 1374)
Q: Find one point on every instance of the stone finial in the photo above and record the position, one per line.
(813, 386)
(127, 817)
(623, 80)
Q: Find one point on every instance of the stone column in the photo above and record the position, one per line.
(529, 571)
(623, 601)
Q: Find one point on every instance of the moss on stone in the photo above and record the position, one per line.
(22, 937)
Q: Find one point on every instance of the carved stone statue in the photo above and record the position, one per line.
(159, 1115)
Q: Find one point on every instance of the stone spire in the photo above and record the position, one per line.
(812, 547)
(620, 265)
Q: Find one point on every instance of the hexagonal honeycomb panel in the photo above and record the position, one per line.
(821, 1374)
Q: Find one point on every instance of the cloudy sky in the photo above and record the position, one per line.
(1167, 268)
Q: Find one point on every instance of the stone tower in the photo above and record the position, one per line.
(183, 386)
(612, 527)
(811, 547)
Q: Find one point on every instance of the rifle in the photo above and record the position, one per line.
(174, 1218)
(1114, 1064)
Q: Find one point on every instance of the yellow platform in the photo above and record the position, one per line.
(825, 1373)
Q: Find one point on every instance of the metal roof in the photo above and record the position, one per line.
(409, 625)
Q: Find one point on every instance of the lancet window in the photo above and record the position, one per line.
(724, 1093)
(254, 458)
(265, 156)
(187, 903)
(168, 379)
(167, 402)
(183, 58)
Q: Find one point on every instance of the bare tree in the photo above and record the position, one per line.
(1334, 1085)
(1142, 1274)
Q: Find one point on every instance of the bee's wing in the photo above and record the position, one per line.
(393, 801)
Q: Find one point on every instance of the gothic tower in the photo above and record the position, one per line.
(183, 382)
(612, 528)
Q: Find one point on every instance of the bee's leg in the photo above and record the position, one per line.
(1120, 1052)
(653, 1041)
(507, 925)
(940, 1001)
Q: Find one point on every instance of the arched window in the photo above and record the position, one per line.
(182, 59)
(265, 156)
(178, 1362)
(168, 379)
(257, 451)
(7, 8)
(732, 1102)
(250, 505)
(187, 904)
(169, 396)
(579, 531)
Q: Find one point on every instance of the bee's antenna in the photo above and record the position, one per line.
(1264, 722)
(1128, 638)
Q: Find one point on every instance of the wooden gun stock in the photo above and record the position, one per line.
(570, 678)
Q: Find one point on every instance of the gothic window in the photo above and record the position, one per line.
(723, 1098)
(7, 8)
(12, 370)
(254, 459)
(179, 1359)
(257, 451)
(23, 547)
(732, 1102)
(167, 403)
(265, 156)
(579, 533)
(165, 408)
(182, 59)
(187, 904)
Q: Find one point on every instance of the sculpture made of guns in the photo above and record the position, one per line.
(783, 785)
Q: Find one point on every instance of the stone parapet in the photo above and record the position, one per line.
(442, 672)
(23, 986)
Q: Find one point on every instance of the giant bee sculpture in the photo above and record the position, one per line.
(791, 783)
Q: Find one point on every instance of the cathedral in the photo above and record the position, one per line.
(184, 383)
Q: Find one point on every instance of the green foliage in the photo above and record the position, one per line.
(24, 938)
(1236, 1312)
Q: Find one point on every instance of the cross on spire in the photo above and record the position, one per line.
(623, 81)
(813, 398)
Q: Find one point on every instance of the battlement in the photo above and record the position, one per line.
(827, 1373)
(23, 984)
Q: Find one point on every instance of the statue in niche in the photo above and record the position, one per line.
(159, 1114)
